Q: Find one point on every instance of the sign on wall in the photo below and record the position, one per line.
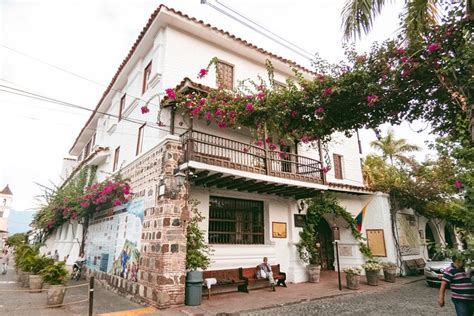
(278, 230)
(408, 234)
(113, 240)
(376, 242)
(300, 220)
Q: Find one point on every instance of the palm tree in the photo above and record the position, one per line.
(394, 149)
(417, 15)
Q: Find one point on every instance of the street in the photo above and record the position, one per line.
(410, 299)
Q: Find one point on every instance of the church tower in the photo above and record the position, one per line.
(6, 197)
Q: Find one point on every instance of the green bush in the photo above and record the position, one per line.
(22, 252)
(27, 261)
(39, 263)
(54, 274)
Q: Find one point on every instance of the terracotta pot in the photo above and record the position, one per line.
(56, 294)
(372, 277)
(25, 281)
(36, 283)
(20, 276)
(314, 272)
(352, 281)
(389, 275)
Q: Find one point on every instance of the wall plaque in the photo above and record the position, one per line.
(278, 230)
(376, 242)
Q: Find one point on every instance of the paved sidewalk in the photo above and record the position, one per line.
(23, 303)
(294, 293)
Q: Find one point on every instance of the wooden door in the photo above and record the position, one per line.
(327, 248)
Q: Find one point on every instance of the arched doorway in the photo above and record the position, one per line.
(327, 248)
(430, 240)
(448, 236)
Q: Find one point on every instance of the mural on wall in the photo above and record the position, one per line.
(113, 240)
(408, 234)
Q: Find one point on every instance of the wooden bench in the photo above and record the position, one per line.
(415, 266)
(228, 280)
(250, 277)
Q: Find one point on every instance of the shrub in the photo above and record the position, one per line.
(54, 274)
(39, 263)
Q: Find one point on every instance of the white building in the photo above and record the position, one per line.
(250, 199)
(6, 197)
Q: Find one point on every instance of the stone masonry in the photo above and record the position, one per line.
(162, 274)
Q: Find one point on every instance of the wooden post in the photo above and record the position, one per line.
(173, 114)
(190, 141)
(91, 295)
(265, 149)
(321, 161)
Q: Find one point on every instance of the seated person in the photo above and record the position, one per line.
(265, 272)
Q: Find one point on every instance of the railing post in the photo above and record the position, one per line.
(91, 295)
(321, 159)
(265, 149)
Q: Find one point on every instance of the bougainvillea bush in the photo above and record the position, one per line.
(77, 200)
(396, 81)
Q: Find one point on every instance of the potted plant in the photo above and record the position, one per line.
(389, 271)
(26, 263)
(55, 275)
(352, 277)
(308, 252)
(21, 252)
(372, 268)
(197, 257)
(35, 280)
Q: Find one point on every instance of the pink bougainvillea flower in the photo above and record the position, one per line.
(457, 184)
(222, 125)
(190, 96)
(321, 77)
(84, 204)
(371, 99)
(245, 150)
(400, 51)
(294, 114)
(232, 115)
(249, 97)
(218, 112)
(249, 107)
(319, 110)
(202, 101)
(404, 59)
(261, 87)
(196, 110)
(327, 91)
(126, 190)
(325, 169)
(273, 146)
(260, 95)
(208, 116)
(202, 73)
(171, 94)
(145, 109)
(116, 202)
(259, 143)
(283, 155)
(73, 215)
(433, 47)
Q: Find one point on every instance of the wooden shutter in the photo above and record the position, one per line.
(337, 166)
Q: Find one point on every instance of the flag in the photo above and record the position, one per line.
(360, 217)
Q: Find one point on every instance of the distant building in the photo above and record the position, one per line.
(6, 197)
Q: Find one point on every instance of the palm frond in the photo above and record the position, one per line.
(418, 16)
(358, 17)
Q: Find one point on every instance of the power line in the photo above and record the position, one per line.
(280, 42)
(44, 98)
(70, 72)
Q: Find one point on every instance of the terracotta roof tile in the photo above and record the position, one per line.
(181, 14)
(349, 187)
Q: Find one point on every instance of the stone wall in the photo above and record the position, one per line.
(162, 274)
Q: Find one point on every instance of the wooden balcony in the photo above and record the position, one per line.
(226, 153)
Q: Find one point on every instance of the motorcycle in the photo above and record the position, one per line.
(77, 270)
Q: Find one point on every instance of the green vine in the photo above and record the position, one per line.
(318, 206)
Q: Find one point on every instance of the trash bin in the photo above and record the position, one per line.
(193, 292)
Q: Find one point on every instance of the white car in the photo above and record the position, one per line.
(434, 269)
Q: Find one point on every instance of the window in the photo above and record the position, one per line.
(122, 106)
(116, 158)
(87, 150)
(141, 133)
(337, 166)
(233, 221)
(146, 77)
(225, 75)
